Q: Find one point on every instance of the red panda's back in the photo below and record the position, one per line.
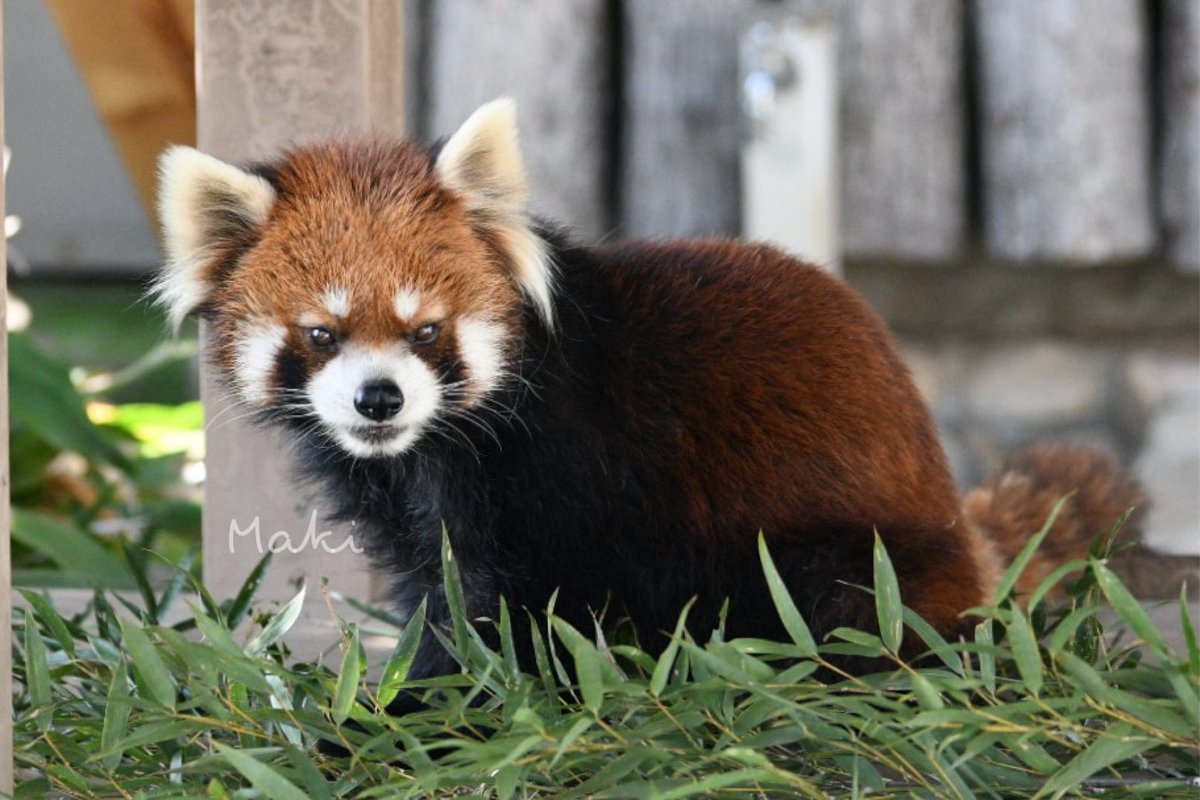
(793, 406)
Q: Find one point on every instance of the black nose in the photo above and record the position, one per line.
(378, 400)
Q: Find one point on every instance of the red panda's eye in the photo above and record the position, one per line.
(426, 334)
(321, 338)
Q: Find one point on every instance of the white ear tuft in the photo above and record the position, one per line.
(482, 163)
(482, 160)
(203, 203)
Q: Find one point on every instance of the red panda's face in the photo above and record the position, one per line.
(364, 289)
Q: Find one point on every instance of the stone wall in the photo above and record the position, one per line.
(1081, 356)
(1141, 404)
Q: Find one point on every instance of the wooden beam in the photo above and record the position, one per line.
(552, 57)
(274, 73)
(1065, 129)
(136, 59)
(6, 708)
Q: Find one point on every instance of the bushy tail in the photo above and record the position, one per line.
(1015, 504)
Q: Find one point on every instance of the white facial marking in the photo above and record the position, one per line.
(480, 344)
(333, 387)
(336, 301)
(257, 349)
(407, 304)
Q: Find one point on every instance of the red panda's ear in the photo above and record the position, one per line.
(203, 203)
(482, 163)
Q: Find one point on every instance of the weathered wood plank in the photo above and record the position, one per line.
(272, 74)
(903, 128)
(1064, 124)
(902, 181)
(1180, 165)
(552, 57)
(679, 174)
(6, 699)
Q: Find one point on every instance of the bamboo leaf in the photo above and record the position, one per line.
(73, 549)
(1189, 634)
(216, 633)
(349, 675)
(51, 619)
(315, 783)
(1130, 609)
(45, 401)
(589, 671)
(395, 671)
(1113, 746)
(721, 780)
(1086, 675)
(927, 695)
(1065, 629)
(261, 777)
(662, 668)
(245, 596)
(116, 718)
(887, 599)
(455, 600)
(936, 643)
(37, 669)
(793, 622)
(137, 567)
(576, 730)
(155, 676)
(1054, 579)
(987, 661)
(278, 625)
(1025, 651)
(1023, 558)
(541, 658)
(508, 647)
(1031, 753)
(179, 577)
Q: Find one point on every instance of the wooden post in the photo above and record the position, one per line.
(6, 709)
(1064, 126)
(551, 56)
(272, 73)
(1180, 164)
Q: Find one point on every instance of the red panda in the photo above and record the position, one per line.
(616, 423)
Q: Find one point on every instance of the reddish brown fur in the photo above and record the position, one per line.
(372, 219)
(807, 418)
(1016, 503)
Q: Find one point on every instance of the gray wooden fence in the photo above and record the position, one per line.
(1055, 131)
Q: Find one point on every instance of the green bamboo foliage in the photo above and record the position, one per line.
(1038, 703)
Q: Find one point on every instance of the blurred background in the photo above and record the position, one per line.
(1013, 184)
